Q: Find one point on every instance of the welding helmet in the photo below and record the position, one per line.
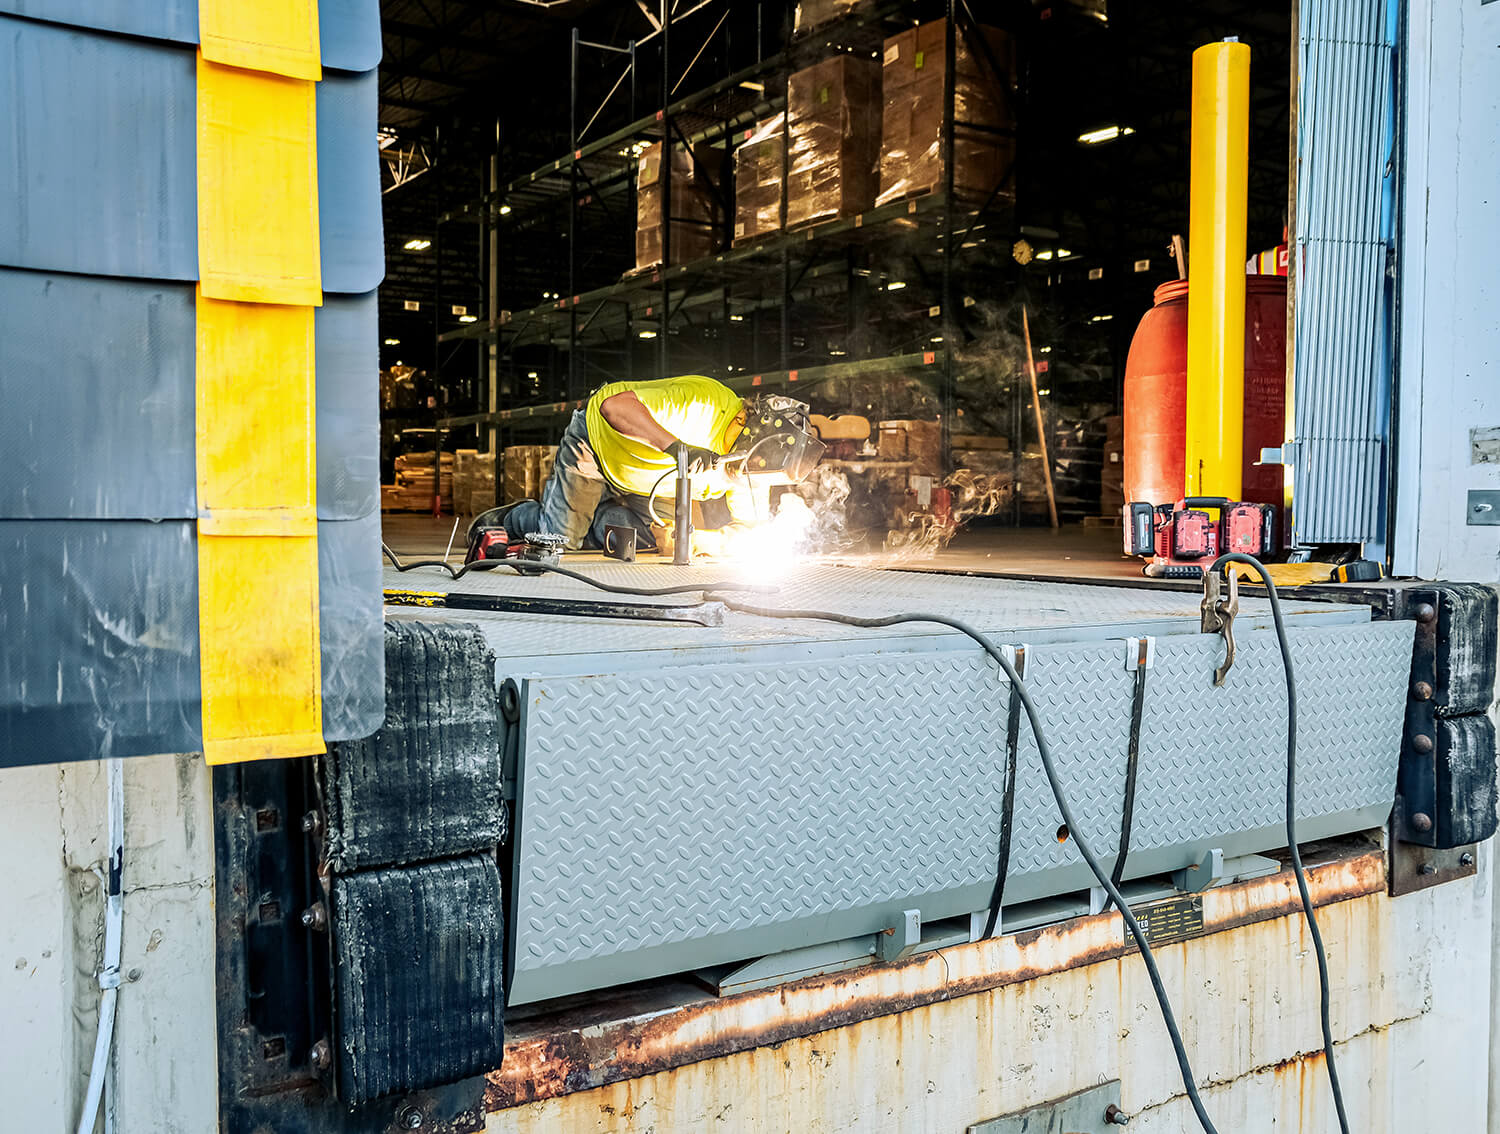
(777, 445)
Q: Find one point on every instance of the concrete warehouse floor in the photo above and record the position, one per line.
(1071, 552)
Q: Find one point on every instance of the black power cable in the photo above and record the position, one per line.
(527, 566)
(1291, 821)
(1168, 1017)
(1018, 687)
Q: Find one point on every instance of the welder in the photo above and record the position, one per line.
(619, 450)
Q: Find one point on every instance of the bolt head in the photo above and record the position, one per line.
(409, 1118)
(1422, 742)
(1422, 691)
(320, 1055)
(1421, 821)
(1114, 1116)
(1466, 859)
(1426, 612)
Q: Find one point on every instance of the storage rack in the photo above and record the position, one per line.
(763, 282)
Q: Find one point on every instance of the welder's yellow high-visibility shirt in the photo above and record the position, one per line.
(704, 413)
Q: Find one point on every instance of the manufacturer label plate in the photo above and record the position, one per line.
(1175, 919)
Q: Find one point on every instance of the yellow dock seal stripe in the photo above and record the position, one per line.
(260, 279)
(257, 187)
(279, 36)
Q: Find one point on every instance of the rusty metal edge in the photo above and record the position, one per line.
(570, 1058)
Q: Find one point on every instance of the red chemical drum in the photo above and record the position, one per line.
(1155, 428)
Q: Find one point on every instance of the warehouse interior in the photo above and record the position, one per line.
(336, 807)
(1066, 199)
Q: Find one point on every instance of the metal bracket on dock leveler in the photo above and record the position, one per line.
(1094, 1111)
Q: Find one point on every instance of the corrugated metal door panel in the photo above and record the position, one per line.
(1342, 361)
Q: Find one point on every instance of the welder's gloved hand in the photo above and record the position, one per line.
(699, 461)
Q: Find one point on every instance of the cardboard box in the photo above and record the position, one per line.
(833, 143)
(694, 210)
(526, 469)
(914, 69)
(815, 13)
(920, 442)
(757, 180)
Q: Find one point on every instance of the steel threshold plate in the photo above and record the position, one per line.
(689, 796)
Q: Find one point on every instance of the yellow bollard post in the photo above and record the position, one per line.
(1216, 280)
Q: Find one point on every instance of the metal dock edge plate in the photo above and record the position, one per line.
(701, 814)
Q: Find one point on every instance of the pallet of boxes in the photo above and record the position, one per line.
(693, 212)
(473, 481)
(913, 76)
(525, 470)
(413, 489)
(833, 139)
(758, 162)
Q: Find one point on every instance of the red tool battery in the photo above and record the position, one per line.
(1194, 535)
(1242, 528)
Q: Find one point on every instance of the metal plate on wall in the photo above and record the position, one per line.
(1084, 1113)
(729, 811)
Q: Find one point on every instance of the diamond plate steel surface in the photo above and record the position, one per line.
(1039, 612)
(691, 814)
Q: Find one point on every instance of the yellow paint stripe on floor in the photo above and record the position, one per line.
(279, 36)
(257, 187)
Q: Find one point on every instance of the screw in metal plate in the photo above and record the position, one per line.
(1421, 821)
(1466, 859)
(409, 1118)
(1426, 869)
(1422, 691)
(1115, 1116)
(1426, 612)
(320, 1055)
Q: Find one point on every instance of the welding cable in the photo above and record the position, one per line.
(1007, 798)
(651, 497)
(1291, 820)
(526, 566)
(1169, 1018)
(1132, 762)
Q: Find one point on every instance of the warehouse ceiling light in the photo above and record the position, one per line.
(1104, 134)
(392, 342)
(753, 86)
(1044, 255)
(505, 210)
(647, 334)
(895, 285)
(467, 318)
(736, 318)
(417, 244)
(531, 374)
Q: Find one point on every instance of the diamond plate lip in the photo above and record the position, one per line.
(641, 852)
(1039, 612)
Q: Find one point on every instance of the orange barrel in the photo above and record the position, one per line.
(1156, 393)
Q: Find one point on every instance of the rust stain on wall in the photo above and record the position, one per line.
(552, 1057)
